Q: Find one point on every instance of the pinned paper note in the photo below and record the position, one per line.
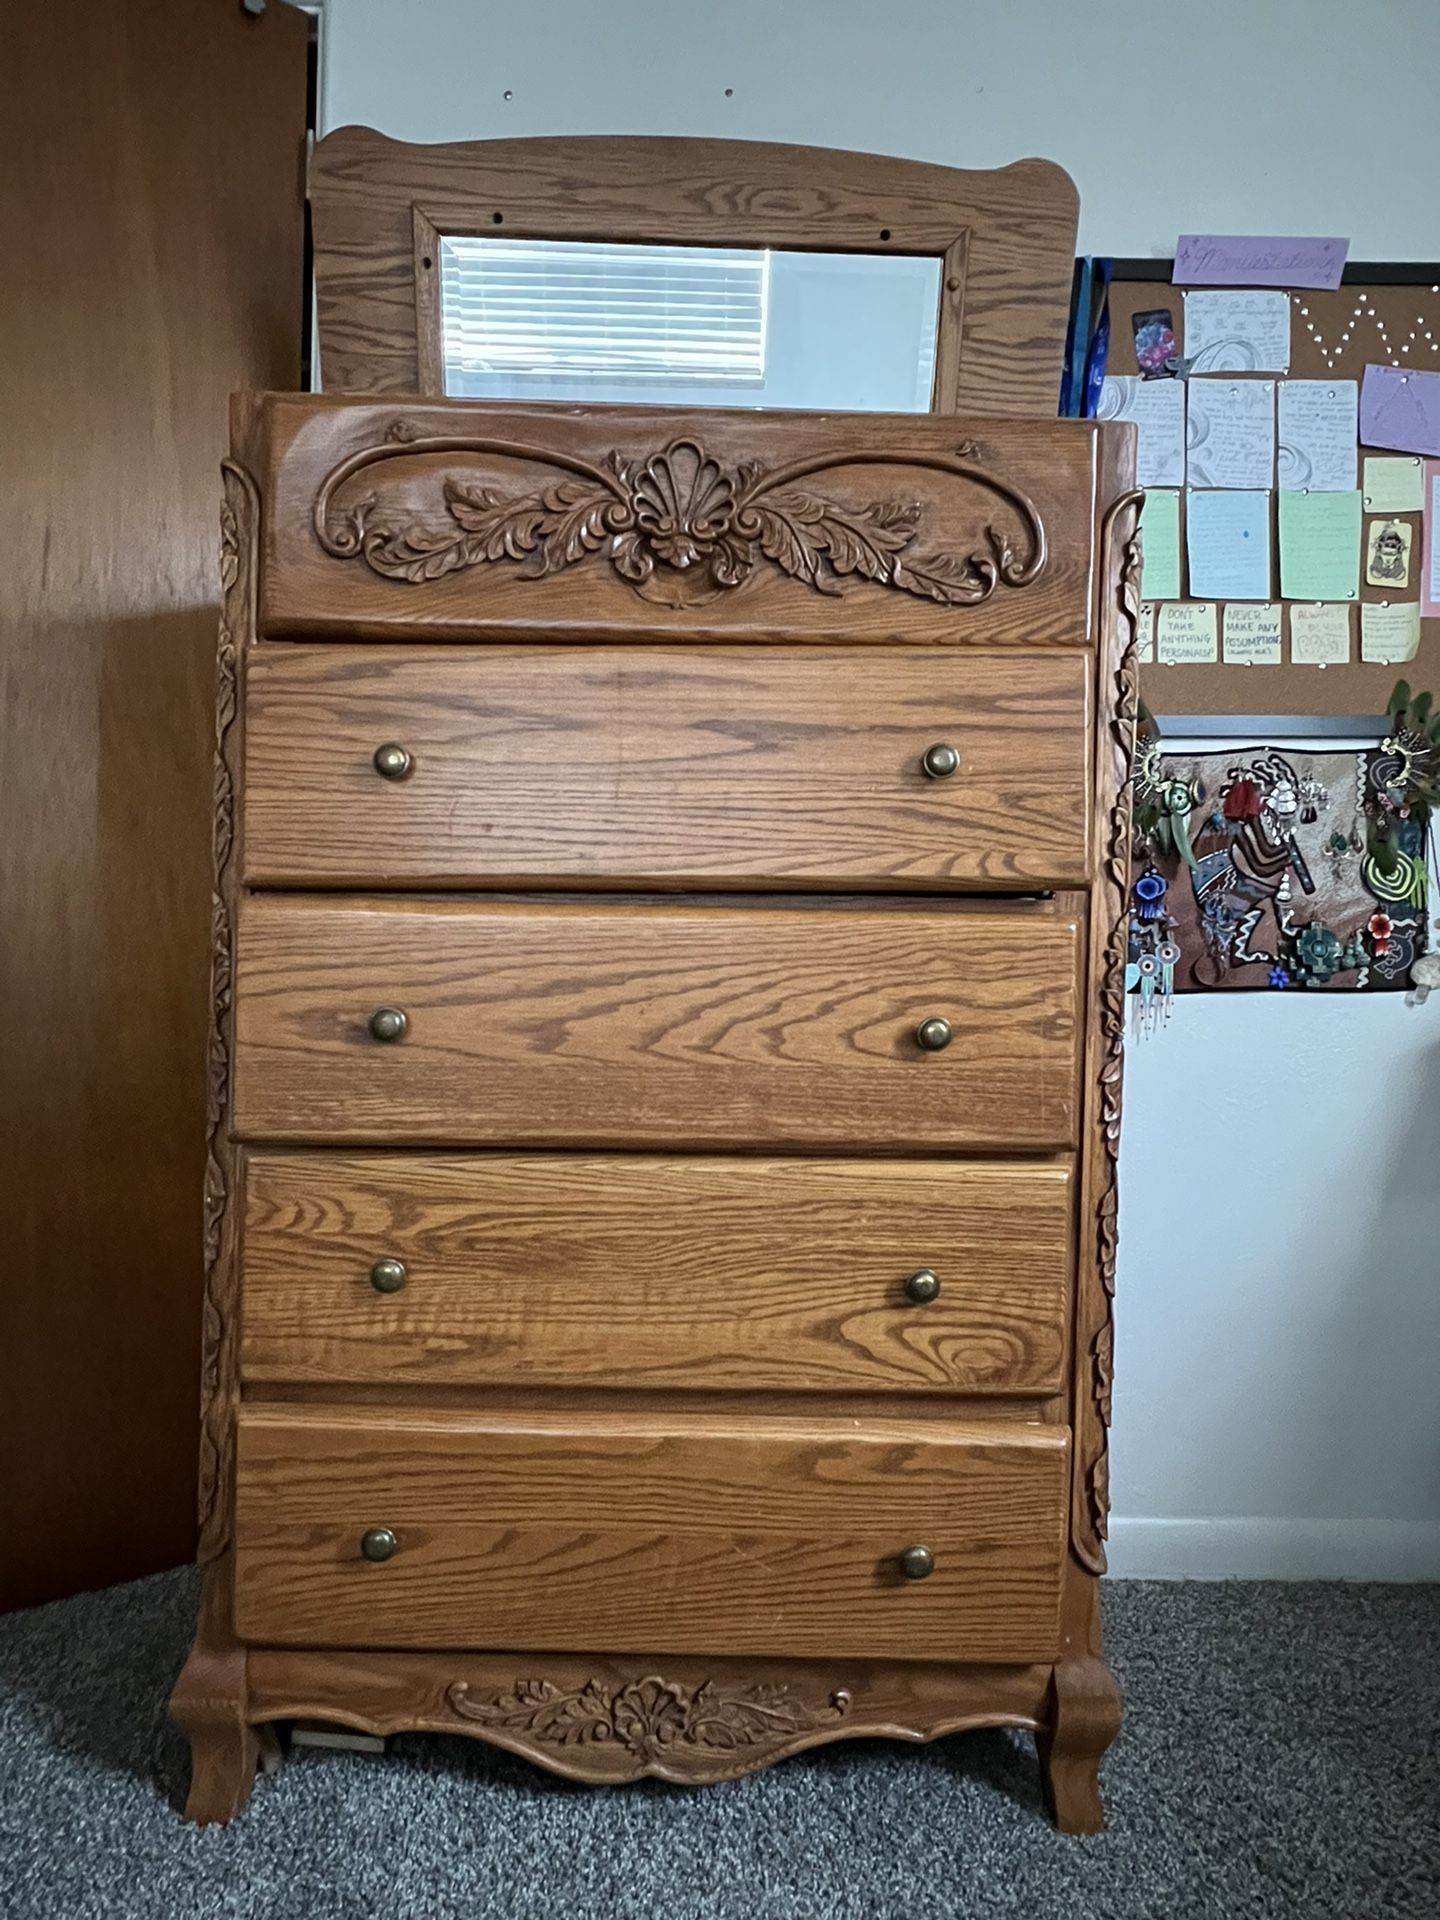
(1160, 545)
(1237, 332)
(1185, 635)
(1399, 408)
(1230, 433)
(1158, 409)
(1251, 636)
(1145, 631)
(1320, 546)
(1389, 631)
(1227, 538)
(1430, 570)
(1387, 553)
(1317, 428)
(1270, 260)
(1319, 635)
(1394, 485)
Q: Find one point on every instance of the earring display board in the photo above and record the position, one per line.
(1296, 553)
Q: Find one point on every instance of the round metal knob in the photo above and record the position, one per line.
(934, 1034)
(917, 1563)
(388, 1276)
(388, 1024)
(379, 1543)
(923, 1286)
(393, 762)
(939, 761)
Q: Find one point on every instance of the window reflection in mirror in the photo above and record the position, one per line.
(687, 326)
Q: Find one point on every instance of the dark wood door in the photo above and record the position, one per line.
(151, 222)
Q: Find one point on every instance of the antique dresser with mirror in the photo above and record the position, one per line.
(669, 937)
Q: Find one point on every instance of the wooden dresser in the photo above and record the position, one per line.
(665, 1084)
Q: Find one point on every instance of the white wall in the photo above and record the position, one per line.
(1277, 1404)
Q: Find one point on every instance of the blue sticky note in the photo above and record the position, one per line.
(1227, 537)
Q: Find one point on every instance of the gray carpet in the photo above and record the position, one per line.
(1279, 1758)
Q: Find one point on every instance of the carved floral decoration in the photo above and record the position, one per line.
(677, 524)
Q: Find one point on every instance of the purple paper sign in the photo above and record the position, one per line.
(1400, 408)
(1235, 260)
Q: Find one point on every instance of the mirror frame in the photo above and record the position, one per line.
(1005, 236)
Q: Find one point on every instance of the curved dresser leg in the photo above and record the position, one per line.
(209, 1705)
(1084, 1719)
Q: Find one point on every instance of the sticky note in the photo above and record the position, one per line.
(1145, 631)
(1237, 332)
(1158, 409)
(1389, 631)
(1400, 408)
(1430, 572)
(1185, 634)
(1258, 260)
(1394, 484)
(1320, 545)
(1227, 541)
(1230, 433)
(1251, 635)
(1319, 635)
(1387, 553)
(1317, 431)
(1160, 544)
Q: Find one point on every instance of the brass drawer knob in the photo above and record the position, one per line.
(917, 1563)
(388, 1024)
(923, 1286)
(388, 1276)
(940, 761)
(379, 1543)
(393, 762)
(934, 1034)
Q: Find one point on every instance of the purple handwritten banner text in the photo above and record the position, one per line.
(1400, 408)
(1235, 260)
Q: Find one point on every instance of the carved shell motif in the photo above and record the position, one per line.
(676, 524)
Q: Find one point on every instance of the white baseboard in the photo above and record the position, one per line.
(1260, 1549)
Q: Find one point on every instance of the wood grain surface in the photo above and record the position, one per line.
(661, 1027)
(630, 1272)
(952, 498)
(707, 1535)
(727, 767)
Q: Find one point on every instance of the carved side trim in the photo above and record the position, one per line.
(676, 524)
(239, 522)
(1095, 1323)
(652, 1721)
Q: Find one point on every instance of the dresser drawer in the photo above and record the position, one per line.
(654, 1026)
(625, 1271)
(662, 767)
(662, 1534)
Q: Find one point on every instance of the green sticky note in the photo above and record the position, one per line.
(1160, 539)
(1320, 545)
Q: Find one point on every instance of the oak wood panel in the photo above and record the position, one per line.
(656, 1027)
(1008, 235)
(718, 1535)
(426, 520)
(150, 224)
(703, 1273)
(665, 767)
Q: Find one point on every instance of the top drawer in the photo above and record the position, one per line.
(471, 520)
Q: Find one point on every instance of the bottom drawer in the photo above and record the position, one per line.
(661, 1533)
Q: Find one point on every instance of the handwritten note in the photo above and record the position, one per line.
(1160, 545)
(1227, 538)
(1238, 332)
(1394, 485)
(1251, 636)
(1317, 434)
(1430, 572)
(1319, 636)
(1239, 260)
(1158, 409)
(1389, 631)
(1185, 635)
(1145, 631)
(1230, 433)
(1401, 409)
(1320, 546)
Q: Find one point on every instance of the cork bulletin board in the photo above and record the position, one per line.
(1332, 335)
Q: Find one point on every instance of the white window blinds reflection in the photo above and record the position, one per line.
(686, 326)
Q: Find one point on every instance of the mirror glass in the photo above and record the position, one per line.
(687, 326)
